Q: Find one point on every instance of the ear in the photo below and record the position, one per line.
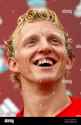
(69, 63)
(12, 64)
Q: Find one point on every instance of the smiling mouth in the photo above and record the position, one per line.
(45, 62)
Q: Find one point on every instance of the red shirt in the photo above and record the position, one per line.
(72, 110)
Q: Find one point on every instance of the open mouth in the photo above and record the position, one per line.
(45, 62)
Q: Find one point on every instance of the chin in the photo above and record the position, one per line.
(45, 80)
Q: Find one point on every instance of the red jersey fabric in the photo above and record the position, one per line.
(73, 110)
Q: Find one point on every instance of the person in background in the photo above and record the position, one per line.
(40, 57)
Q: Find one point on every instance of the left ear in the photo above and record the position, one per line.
(69, 63)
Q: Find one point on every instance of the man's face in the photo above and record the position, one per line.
(40, 52)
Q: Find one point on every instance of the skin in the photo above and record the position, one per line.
(42, 87)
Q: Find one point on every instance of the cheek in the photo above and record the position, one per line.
(62, 53)
(22, 62)
(62, 56)
(24, 59)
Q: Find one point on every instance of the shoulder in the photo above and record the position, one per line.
(76, 100)
(76, 105)
(74, 109)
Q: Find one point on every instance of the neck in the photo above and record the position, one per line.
(40, 102)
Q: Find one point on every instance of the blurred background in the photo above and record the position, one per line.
(69, 12)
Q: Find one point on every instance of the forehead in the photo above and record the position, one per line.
(40, 28)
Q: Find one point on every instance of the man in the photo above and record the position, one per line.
(40, 56)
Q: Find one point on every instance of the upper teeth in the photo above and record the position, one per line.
(42, 61)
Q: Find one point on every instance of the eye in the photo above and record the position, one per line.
(31, 41)
(54, 41)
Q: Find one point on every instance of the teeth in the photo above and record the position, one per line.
(42, 61)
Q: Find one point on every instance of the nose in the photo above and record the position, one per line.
(45, 46)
